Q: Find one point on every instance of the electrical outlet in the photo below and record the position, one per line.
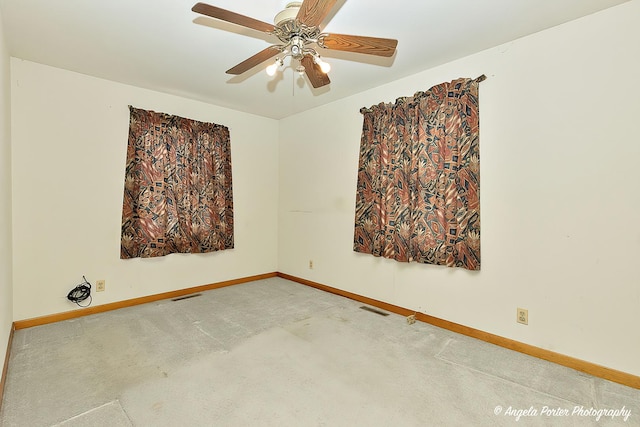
(523, 316)
(311, 264)
(100, 284)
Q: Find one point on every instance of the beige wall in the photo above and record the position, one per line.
(6, 307)
(559, 194)
(69, 146)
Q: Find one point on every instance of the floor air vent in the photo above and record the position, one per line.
(186, 297)
(373, 310)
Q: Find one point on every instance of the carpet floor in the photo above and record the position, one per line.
(277, 353)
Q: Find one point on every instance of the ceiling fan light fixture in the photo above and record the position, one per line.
(271, 69)
(325, 67)
(298, 29)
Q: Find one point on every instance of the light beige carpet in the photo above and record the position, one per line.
(277, 353)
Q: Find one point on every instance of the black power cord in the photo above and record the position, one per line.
(81, 293)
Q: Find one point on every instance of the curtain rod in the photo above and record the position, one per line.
(478, 79)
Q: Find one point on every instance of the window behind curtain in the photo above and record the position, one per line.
(177, 192)
(418, 192)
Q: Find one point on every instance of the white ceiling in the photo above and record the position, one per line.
(162, 45)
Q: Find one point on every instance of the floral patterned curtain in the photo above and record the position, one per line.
(418, 193)
(177, 192)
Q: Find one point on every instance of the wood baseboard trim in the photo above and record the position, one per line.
(5, 367)
(52, 318)
(540, 353)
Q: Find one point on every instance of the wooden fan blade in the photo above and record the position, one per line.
(256, 59)
(360, 44)
(313, 12)
(314, 73)
(234, 18)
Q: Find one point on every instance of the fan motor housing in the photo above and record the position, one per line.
(288, 14)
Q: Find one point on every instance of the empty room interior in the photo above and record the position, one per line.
(292, 311)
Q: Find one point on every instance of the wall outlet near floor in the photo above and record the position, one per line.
(310, 264)
(523, 316)
(100, 285)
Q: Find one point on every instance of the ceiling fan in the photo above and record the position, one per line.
(298, 29)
